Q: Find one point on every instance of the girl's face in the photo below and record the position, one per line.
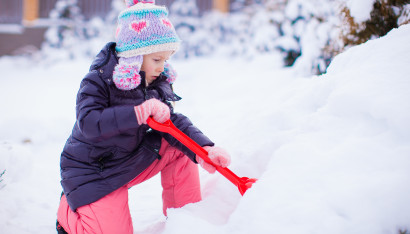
(153, 65)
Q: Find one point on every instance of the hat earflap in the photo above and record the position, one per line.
(170, 73)
(126, 73)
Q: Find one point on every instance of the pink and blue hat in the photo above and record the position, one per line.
(143, 28)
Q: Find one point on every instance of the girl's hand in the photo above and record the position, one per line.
(217, 155)
(152, 107)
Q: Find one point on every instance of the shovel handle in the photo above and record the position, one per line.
(169, 127)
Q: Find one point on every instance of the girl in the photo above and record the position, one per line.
(111, 147)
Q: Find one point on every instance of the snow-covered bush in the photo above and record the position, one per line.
(71, 35)
(364, 20)
(299, 30)
(186, 20)
(306, 34)
(69, 23)
(309, 27)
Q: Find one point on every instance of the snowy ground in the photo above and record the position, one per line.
(331, 152)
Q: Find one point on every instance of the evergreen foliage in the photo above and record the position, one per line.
(386, 15)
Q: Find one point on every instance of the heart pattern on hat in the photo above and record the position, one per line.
(117, 31)
(167, 23)
(138, 26)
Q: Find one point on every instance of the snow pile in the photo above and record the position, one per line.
(331, 152)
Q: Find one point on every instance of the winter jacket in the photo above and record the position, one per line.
(107, 147)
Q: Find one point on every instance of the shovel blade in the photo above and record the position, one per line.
(245, 183)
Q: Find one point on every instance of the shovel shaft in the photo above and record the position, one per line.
(170, 128)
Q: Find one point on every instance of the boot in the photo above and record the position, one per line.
(60, 229)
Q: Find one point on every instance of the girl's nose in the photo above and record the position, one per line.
(160, 69)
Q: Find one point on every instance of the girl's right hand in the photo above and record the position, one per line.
(152, 107)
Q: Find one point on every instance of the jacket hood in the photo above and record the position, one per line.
(106, 60)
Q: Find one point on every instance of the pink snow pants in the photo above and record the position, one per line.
(111, 214)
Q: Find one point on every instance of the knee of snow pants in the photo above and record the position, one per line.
(179, 177)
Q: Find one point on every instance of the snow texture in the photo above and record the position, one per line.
(331, 152)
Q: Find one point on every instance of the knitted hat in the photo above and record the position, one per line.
(143, 28)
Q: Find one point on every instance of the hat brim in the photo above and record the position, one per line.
(174, 46)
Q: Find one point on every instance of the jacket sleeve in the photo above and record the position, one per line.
(184, 124)
(96, 119)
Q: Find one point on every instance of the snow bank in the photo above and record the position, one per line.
(331, 152)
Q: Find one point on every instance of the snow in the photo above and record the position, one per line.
(360, 10)
(331, 152)
(11, 28)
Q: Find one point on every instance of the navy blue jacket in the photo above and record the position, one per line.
(107, 147)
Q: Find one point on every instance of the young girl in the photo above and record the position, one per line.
(111, 147)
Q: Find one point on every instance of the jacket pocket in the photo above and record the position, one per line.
(147, 147)
(151, 143)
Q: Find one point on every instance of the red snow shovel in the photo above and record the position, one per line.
(243, 183)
